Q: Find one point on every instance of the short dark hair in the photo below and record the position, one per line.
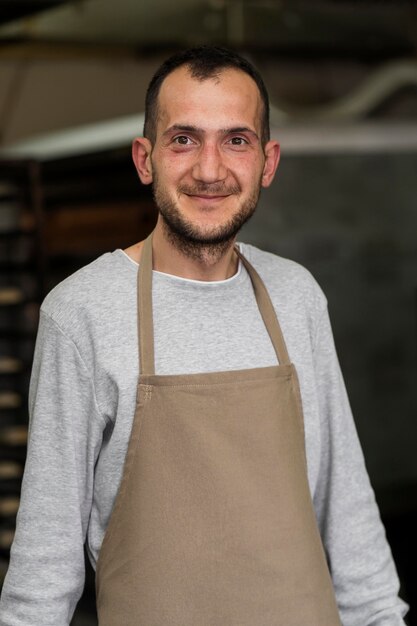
(203, 62)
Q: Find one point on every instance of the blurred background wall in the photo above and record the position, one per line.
(342, 77)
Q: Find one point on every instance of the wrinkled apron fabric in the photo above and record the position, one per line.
(213, 524)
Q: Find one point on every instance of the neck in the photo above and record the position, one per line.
(206, 263)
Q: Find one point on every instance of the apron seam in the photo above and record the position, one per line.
(197, 385)
(131, 455)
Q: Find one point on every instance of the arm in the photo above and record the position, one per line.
(46, 574)
(363, 572)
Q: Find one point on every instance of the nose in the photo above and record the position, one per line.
(209, 166)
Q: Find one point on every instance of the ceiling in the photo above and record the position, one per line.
(11, 10)
(325, 61)
(295, 28)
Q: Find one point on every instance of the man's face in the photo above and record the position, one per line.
(208, 164)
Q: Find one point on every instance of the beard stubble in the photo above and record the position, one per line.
(188, 238)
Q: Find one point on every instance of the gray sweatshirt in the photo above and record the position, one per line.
(82, 401)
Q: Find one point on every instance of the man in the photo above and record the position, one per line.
(227, 487)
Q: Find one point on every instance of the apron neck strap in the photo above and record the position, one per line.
(145, 311)
(145, 308)
(267, 311)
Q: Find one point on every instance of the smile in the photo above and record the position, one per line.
(206, 197)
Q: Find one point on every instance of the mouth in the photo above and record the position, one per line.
(211, 197)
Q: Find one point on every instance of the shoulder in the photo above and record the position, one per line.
(284, 277)
(91, 288)
(295, 294)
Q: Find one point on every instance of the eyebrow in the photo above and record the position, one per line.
(222, 131)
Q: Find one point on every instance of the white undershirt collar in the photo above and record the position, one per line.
(191, 280)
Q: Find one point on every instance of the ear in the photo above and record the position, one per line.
(272, 154)
(141, 154)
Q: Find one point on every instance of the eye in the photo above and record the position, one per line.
(238, 141)
(182, 140)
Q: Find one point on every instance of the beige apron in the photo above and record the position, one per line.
(213, 524)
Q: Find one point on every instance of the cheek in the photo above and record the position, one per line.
(246, 164)
(249, 174)
(172, 169)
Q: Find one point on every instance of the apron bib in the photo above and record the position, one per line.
(213, 524)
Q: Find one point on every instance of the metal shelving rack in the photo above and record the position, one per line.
(22, 280)
(56, 215)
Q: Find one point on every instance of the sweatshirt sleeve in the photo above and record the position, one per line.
(46, 573)
(363, 572)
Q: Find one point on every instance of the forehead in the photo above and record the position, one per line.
(230, 98)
